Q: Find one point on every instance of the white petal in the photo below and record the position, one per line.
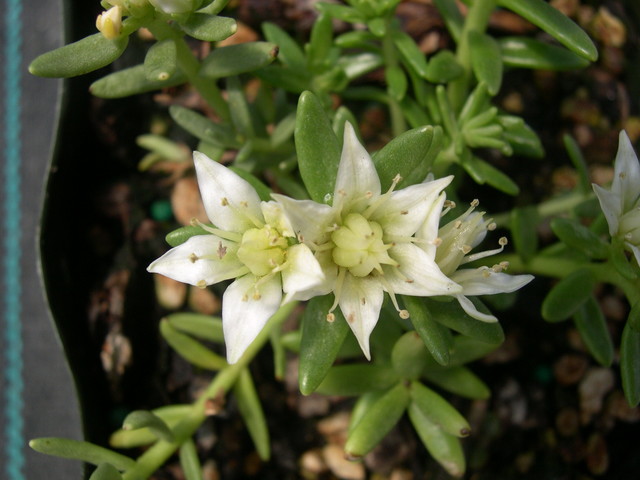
(357, 175)
(202, 258)
(429, 229)
(418, 274)
(244, 316)
(302, 271)
(482, 281)
(360, 303)
(275, 216)
(230, 201)
(611, 206)
(308, 218)
(405, 212)
(635, 250)
(626, 180)
(472, 311)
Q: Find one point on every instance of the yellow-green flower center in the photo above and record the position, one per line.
(262, 250)
(359, 246)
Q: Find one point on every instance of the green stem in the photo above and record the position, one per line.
(390, 57)
(477, 20)
(156, 455)
(549, 208)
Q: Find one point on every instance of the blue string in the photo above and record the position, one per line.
(13, 382)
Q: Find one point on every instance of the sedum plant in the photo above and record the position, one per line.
(305, 217)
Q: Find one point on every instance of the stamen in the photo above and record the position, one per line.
(466, 249)
(475, 202)
(337, 291)
(382, 198)
(392, 295)
(222, 250)
(404, 314)
(201, 284)
(503, 241)
(232, 236)
(492, 226)
(193, 257)
(477, 256)
(436, 241)
(331, 317)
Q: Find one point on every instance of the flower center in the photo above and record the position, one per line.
(262, 250)
(359, 246)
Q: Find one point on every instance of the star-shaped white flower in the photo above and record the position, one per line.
(365, 241)
(621, 204)
(450, 248)
(251, 241)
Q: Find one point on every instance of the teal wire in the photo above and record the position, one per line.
(13, 381)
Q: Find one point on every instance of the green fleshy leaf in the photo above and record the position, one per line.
(629, 361)
(556, 24)
(202, 326)
(435, 336)
(453, 19)
(132, 81)
(439, 411)
(522, 139)
(362, 406)
(579, 237)
(190, 349)
(290, 53)
(467, 349)
(356, 65)
(575, 154)
(415, 114)
(451, 315)
(568, 295)
(620, 261)
(357, 39)
(459, 381)
(170, 414)
(377, 421)
(209, 28)
(592, 326)
(396, 82)
(525, 52)
(412, 56)
(289, 79)
(84, 56)
(523, 222)
(144, 419)
(214, 8)
(409, 356)
(486, 60)
(443, 447)
(239, 108)
(182, 234)
(317, 146)
(443, 67)
(409, 155)
(77, 450)
(483, 172)
(357, 379)
(251, 410)
(204, 129)
(341, 12)
(189, 461)
(237, 59)
(161, 61)
(320, 342)
(634, 316)
(320, 42)
(105, 471)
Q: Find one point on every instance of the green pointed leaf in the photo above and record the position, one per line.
(161, 61)
(145, 419)
(440, 412)
(189, 461)
(317, 146)
(396, 82)
(362, 406)
(289, 79)
(523, 223)
(443, 447)
(592, 326)
(359, 64)
(415, 114)
(434, 335)
(556, 24)
(320, 43)
(170, 414)
(357, 379)
(377, 421)
(201, 127)
(105, 471)
(251, 410)
(182, 234)
(579, 237)
(452, 17)
(483, 172)
(486, 60)
(84, 56)
(568, 295)
(575, 154)
(409, 155)
(77, 450)
(466, 349)
(290, 53)
(459, 381)
(629, 361)
(239, 108)
(412, 56)
(320, 342)
(357, 39)
(620, 261)
(409, 356)
(451, 315)
(209, 28)
(132, 81)
(190, 349)
(214, 8)
(525, 52)
(521, 137)
(443, 67)
(198, 325)
(237, 59)
(341, 12)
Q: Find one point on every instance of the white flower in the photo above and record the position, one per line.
(621, 204)
(451, 248)
(364, 241)
(251, 241)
